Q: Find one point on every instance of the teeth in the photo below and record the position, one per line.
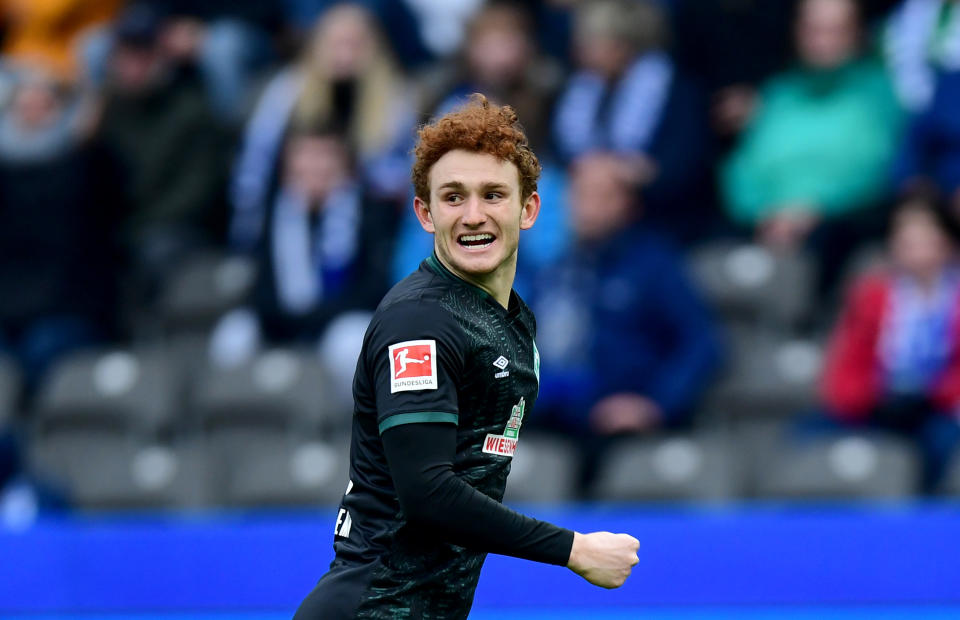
(483, 237)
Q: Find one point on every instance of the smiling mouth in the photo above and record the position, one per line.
(477, 241)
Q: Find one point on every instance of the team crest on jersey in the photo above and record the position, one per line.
(536, 362)
(413, 365)
(506, 444)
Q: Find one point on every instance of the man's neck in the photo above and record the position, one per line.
(497, 283)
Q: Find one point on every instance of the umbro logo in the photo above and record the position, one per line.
(501, 363)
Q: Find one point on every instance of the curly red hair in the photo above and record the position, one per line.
(481, 127)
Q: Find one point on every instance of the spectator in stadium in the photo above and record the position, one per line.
(731, 47)
(894, 357)
(712, 46)
(930, 156)
(228, 41)
(345, 78)
(500, 60)
(626, 342)
(442, 24)
(225, 42)
(628, 96)
(920, 39)
(44, 34)
(159, 128)
(57, 205)
(403, 30)
(323, 258)
(814, 161)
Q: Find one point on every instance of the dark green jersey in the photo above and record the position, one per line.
(437, 350)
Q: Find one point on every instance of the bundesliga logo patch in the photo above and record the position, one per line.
(413, 365)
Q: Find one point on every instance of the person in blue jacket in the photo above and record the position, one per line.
(929, 158)
(627, 344)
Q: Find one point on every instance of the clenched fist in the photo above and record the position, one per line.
(602, 558)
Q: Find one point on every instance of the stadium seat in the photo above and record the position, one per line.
(668, 468)
(848, 466)
(203, 288)
(102, 470)
(544, 469)
(950, 484)
(125, 390)
(746, 282)
(768, 375)
(279, 388)
(9, 389)
(754, 441)
(282, 470)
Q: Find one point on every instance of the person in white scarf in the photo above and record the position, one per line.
(322, 257)
(922, 37)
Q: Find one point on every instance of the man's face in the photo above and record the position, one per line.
(918, 245)
(36, 105)
(601, 201)
(135, 69)
(827, 32)
(499, 56)
(344, 45)
(475, 213)
(315, 166)
(604, 55)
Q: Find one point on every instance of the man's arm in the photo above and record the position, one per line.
(421, 456)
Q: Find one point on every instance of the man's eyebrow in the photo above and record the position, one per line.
(453, 185)
(497, 185)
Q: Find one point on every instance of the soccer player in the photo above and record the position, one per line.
(433, 441)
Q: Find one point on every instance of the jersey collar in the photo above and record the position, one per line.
(434, 264)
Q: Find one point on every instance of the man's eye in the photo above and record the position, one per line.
(494, 196)
(454, 198)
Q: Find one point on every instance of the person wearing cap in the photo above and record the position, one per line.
(157, 124)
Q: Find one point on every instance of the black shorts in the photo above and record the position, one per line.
(337, 595)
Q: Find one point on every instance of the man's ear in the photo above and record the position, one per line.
(422, 209)
(530, 211)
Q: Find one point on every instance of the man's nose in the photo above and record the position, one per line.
(473, 214)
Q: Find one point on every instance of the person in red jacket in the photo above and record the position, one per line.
(894, 357)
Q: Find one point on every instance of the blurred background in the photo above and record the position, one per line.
(745, 275)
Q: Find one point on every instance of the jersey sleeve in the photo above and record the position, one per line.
(416, 357)
(433, 497)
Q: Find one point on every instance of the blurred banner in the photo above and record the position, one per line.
(761, 556)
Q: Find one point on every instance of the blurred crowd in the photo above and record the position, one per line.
(136, 135)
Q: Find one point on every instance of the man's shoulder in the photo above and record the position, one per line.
(419, 302)
(422, 288)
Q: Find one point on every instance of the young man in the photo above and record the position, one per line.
(433, 442)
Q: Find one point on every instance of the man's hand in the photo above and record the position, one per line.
(625, 413)
(602, 558)
(789, 228)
